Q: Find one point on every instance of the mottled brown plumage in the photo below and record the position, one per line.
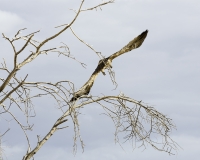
(106, 63)
(135, 43)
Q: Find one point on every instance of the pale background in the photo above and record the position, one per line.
(164, 72)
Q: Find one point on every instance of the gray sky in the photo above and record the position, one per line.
(164, 72)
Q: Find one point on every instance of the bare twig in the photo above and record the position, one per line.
(99, 5)
(98, 53)
(8, 94)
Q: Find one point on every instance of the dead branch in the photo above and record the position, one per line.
(14, 89)
(92, 8)
(59, 121)
(133, 121)
(99, 5)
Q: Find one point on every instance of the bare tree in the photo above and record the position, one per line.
(138, 121)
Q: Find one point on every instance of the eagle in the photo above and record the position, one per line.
(107, 63)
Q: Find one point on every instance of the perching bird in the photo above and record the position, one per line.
(106, 63)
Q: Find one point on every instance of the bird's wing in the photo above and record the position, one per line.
(135, 43)
(85, 89)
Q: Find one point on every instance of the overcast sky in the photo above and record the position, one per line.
(164, 72)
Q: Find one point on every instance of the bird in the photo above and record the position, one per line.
(107, 63)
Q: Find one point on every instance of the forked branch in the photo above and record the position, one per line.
(140, 123)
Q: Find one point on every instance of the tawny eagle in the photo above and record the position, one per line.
(105, 63)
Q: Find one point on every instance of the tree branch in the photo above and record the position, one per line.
(59, 121)
(7, 80)
(98, 6)
(52, 37)
(8, 94)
